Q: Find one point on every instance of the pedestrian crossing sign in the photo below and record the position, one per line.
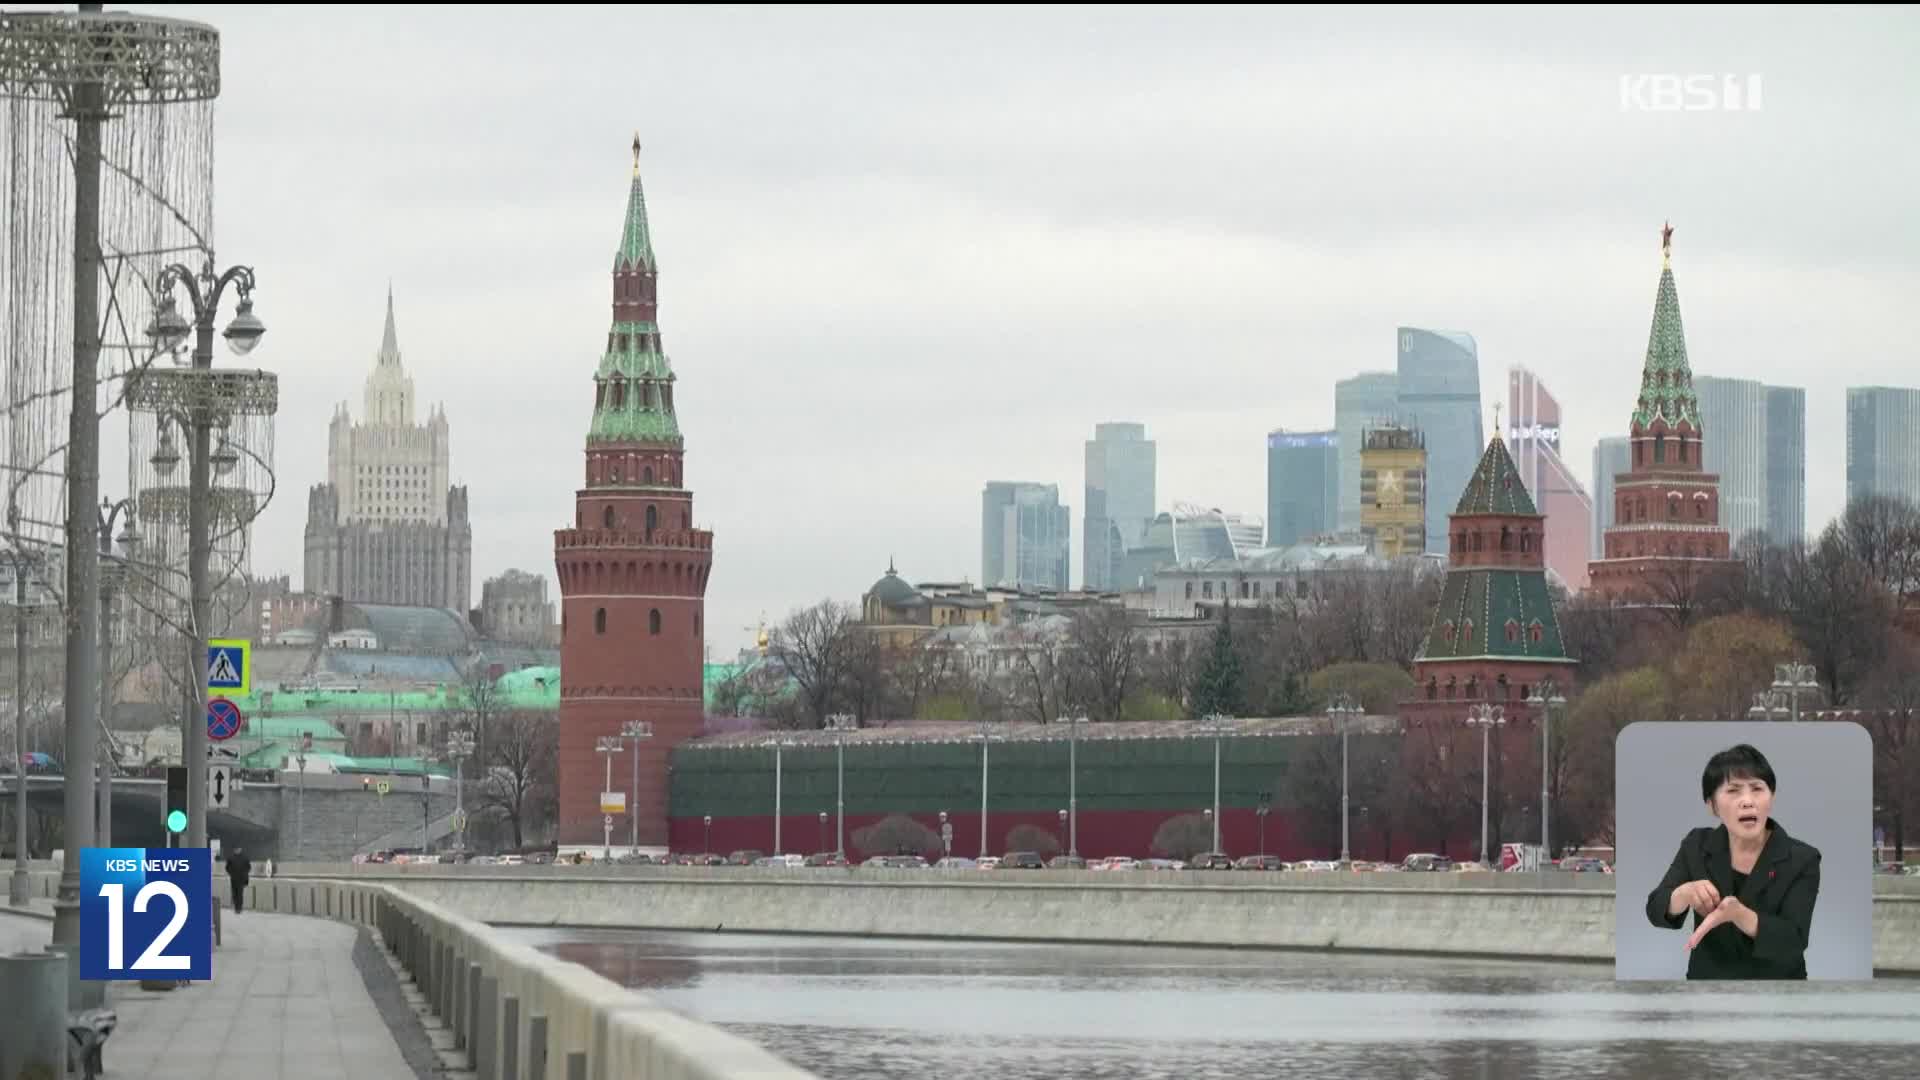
(228, 670)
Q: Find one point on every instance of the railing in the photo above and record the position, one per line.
(518, 1012)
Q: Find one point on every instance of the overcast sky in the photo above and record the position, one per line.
(904, 252)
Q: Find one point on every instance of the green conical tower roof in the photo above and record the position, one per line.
(1666, 382)
(1496, 486)
(634, 397)
(636, 242)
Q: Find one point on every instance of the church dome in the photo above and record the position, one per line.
(892, 590)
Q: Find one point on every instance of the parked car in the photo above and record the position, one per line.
(1022, 860)
(987, 862)
(955, 862)
(1066, 862)
(1211, 860)
(745, 857)
(1426, 863)
(826, 858)
(1260, 862)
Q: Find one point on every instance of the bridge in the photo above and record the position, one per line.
(343, 816)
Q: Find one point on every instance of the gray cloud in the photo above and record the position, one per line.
(905, 252)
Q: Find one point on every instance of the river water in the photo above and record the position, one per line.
(865, 1009)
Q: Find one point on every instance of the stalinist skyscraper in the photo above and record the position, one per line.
(387, 527)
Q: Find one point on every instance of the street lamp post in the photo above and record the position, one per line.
(1216, 725)
(1063, 821)
(608, 745)
(1546, 698)
(1486, 718)
(639, 731)
(778, 745)
(985, 738)
(1344, 711)
(111, 574)
(822, 845)
(17, 884)
(1782, 700)
(1266, 804)
(840, 724)
(1073, 783)
(168, 331)
(459, 746)
(706, 838)
(946, 836)
(300, 801)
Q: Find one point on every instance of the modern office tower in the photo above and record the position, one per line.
(1440, 397)
(1883, 442)
(1303, 485)
(1612, 456)
(1735, 412)
(1119, 500)
(1533, 437)
(1024, 536)
(1786, 464)
(1369, 399)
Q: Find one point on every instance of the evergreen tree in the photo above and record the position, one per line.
(1217, 685)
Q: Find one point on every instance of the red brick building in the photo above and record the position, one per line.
(633, 569)
(1495, 635)
(1666, 537)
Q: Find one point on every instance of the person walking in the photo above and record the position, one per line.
(239, 868)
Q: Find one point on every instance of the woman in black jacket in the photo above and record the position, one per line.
(1750, 886)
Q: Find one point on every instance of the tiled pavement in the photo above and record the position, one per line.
(285, 1003)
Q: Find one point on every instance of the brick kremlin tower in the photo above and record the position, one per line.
(633, 569)
(1666, 508)
(1494, 635)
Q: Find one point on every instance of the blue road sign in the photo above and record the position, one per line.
(227, 666)
(146, 913)
(223, 719)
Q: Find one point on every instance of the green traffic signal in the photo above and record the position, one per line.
(177, 821)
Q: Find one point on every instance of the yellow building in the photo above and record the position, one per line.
(901, 614)
(1393, 491)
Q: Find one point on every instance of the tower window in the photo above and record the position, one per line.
(646, 475)
(1659, 448)
(1683, 451)
(1513, 630)
(1506, 538)
(599, 620)
(1535, 632)
(653, 621)
(653, 519)
(607, 517)
(1700, 509)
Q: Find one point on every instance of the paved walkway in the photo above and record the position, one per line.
(285, 1003)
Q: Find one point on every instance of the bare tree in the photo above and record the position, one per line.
(480, 699)
(1033, 838)
(866, 683)
(1040, 685)
(815, 646)
(1105, 659)
(896, 834)
(1182, 836)
(521, 782)
(1168, 665)
(1892, 698)
(1882, 534)
(1840, 613)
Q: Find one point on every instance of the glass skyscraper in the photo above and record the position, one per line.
(1370, 399)
(1025, 536)
(1883, 442)
(1786, 464)
(1612, 456)
(1440, 396)
(1733, 414)
(1119, 501)
(1303, 485)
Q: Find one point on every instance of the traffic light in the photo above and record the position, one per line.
(174, 813)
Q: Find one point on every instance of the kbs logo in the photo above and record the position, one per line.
(1690, 93)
